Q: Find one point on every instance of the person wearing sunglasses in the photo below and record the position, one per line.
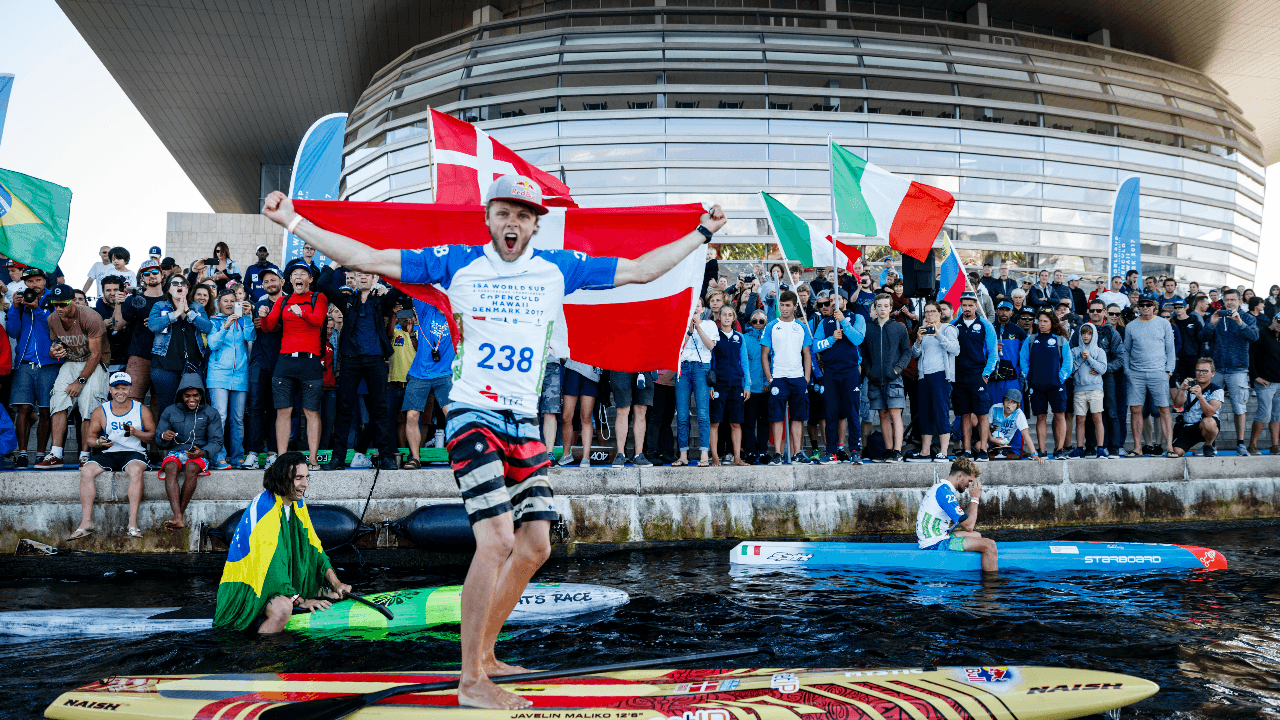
(135, 312)
(755, 426)
(836, 338)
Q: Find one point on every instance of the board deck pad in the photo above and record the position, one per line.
(413, 609)
(952, 693)
(1040, 556)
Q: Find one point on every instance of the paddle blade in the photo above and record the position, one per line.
(332, 708)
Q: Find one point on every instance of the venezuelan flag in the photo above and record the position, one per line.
(951, 281)
(33, 219)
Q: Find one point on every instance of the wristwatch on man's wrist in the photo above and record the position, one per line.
(705, 233)
(82, 380)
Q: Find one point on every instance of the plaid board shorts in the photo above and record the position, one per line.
(500, 464)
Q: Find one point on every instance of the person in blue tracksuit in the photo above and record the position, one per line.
(970, 396)
(1009, 340)
(836, 338)
(729, 393)
(1046, 364)
(34, 370)
(755, 436)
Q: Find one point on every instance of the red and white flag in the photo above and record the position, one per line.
(466, 160)
(633, 328)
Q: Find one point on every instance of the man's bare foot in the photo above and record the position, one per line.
(738, 461)
(496, 668)
(715, 462)
(482, 693)
(173, 525)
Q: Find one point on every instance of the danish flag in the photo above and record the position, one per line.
(466, 160)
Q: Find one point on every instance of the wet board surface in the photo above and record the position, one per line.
(964, 693)
(1045, 556)
(413, 609)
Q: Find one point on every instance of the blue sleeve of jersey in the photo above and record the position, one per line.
(1023, 357)
(808, 337)
(746, 363)
(582, 271)
(1065, 371)
(992, 354)
(820, 340)
(950, 505)
(434, 264)
(766, 337)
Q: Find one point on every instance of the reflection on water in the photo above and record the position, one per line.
(1211, 640)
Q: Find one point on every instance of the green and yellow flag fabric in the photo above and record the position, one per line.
(33, 219)
(275, 551)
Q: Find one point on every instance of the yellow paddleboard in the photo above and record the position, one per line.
(950, 693)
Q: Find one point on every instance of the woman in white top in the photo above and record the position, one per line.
(695, 363)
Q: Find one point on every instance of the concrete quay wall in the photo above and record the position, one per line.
(635, 505)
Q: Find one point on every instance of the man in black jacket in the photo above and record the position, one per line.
(886, 351)
(362, 352)
(1264, 368)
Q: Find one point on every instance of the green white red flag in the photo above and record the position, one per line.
(804, 243)
(869, 200)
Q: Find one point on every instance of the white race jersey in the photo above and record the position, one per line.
(505, 311)
(115, 428)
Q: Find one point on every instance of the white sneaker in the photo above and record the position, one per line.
(250, 461)
(359, 462)
(271, 460)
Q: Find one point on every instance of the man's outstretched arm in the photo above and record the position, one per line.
(655, 263)
(341, 249)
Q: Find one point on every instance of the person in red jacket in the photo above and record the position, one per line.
(301, 313)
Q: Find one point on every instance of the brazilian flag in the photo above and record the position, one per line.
(33, 219)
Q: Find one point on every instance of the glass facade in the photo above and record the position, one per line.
(632, 103)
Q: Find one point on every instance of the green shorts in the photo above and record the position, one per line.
(954, 543)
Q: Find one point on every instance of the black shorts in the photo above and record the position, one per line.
(1045, 399)
(817, 408)
(117, 461)
(970, 397)
(294, 374)
(575, 384)
(727, 405)
(1188, 436)
(625, 392)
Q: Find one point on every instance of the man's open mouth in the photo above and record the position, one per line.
(510, 240)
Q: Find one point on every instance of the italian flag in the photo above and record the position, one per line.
(871, 201)
(804, 243)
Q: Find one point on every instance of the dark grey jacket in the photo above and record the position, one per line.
(886, 351)
(201, 427)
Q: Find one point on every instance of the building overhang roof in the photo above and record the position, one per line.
(231, 86)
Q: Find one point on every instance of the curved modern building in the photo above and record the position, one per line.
(1028, 111)
(1032, 133)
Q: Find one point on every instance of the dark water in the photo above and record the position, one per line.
(1211, 640)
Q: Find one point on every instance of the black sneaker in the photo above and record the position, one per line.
(800, 459)
(982, 456)
(963, 454)
(641, 461)
(887, 457)
(22, 461)
(855, 457)
(827, 459)
(939, 457)
(914, 456)
(336, 463)
(389, 462)
(776, 459)
(842, 456)
(895, 456)
(619, 460)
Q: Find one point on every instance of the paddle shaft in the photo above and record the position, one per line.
(376, 606)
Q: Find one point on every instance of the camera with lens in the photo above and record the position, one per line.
(748, 279)
(138, 301)
(211, 261)
(784, 286)
(31, 296)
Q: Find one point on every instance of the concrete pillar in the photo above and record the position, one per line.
(485, 14)
(977, 15)
(1101, 37)
(830, 6)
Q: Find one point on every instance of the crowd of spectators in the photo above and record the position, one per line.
(778, 365)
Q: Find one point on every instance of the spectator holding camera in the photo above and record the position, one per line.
(220, 268)
(76, 334)
(28, 325)
(135, 310)
(119, 333)
(1201, 396)
(228, 377)
(116, 432)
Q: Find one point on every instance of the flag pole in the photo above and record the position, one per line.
(835, 230)
(786, 264)
(431, 156)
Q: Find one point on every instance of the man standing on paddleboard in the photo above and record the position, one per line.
(505, 295)
(941, 524)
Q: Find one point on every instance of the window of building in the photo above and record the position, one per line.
(966, 235)
(615, 177)
(422, 86)
(904, 63)
(1076, 148)
(811, 58)
(612, 153)
(514, 47)
(1155, 137)
(840, 130)
(780, 99)
(587, 103)
(1202, 232)
(992, 72)
(717, 177)
(997, 163)
(1135, 77)
(921, 158)
(901, 47)
(805, 153)
(1082, 195)
(717, 151)
(1159, 204)
(1134, 94)
(513, 65)
(999, 187)
(612, 56)
(1205, 190)
(714, 78)
(1197, 253)
(819, 80)
(835, 41)
(997, 211)
(1159, 248)
(1159, 226)
(908, 85)
(1076, 241)
(1079, 172)
(1069, 82)
(1067, 216)
(807, 178)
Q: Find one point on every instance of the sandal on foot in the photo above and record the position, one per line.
(679, 463)
(411, 464)
(80, 534)
(134, 532)
(704, 463)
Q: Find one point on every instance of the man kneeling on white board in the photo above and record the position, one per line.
(941, 524)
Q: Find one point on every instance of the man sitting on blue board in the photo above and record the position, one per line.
(275, 562)
(940, 511)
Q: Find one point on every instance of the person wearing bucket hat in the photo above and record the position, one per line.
(494, 398)
(117, 431)
(190, 433)
(79, 344)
